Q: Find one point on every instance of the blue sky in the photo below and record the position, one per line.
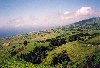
(17, 15)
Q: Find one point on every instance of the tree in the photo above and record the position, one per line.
(25, 43)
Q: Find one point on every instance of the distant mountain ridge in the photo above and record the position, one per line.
(88, 23)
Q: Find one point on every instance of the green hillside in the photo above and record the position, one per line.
(72, 46)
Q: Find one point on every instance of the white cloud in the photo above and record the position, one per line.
(67, 12)
(82, 13)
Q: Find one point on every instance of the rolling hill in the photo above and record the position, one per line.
(72, 46)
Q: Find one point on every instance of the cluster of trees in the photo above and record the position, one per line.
(74, 38)
(61, 58)
(57, 41)
(93, 62)
(77, 37)
(36, 55)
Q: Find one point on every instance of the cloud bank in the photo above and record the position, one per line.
(82, 13)
(57, 19)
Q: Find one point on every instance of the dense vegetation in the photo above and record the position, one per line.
(73, 46)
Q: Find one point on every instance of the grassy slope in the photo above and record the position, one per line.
(79, 52)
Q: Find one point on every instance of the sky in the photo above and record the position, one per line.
(21, 16)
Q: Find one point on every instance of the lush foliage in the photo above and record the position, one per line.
(72, 46)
